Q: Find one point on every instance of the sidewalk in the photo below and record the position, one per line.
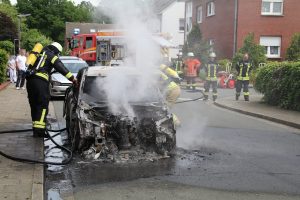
(257, 108)
(19, 180)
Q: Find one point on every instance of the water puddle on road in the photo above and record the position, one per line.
(61, 180)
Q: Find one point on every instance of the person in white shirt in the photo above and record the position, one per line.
(21, 66)
(12, 69)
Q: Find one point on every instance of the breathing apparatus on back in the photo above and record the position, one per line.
(37, 56)
(31, 62)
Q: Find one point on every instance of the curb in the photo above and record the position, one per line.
(276, 120)
(4, 85)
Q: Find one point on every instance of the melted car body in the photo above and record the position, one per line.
(111, 120)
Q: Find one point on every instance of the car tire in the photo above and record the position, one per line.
(73, 129)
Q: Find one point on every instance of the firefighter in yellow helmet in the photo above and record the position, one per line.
(38, 83)
(170, 89)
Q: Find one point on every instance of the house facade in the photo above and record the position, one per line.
(171, 22)
(226, 23)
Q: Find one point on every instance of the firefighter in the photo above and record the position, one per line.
(243, 68)
(171, 91)
(179, 65)
(38, 84)
(191, 66)
(172, 74)
(211, 69)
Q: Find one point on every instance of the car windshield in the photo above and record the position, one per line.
(93, 91)
(74, 67)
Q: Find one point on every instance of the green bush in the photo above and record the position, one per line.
(223, 63)
(256, 51)
(3, 65)
(8, 46)
(293, 52)
(280, 84)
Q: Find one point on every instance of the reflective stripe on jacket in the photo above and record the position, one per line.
(211, 69)
(243, 68)
(50, 61)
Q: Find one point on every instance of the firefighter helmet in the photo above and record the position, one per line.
(190, 54)
(212, 55)
(57, 46)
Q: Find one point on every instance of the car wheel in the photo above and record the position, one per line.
(73, 129)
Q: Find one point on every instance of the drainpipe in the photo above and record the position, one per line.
(235, 27)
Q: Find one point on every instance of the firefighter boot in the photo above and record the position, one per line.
(237, 97)
(246, 98)
(38, 132)
(205, 97)
(214, 97)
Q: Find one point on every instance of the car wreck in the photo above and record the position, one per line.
(115, 123)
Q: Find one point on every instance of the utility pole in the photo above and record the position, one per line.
(20, 16)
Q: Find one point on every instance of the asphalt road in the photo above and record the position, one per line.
(221, 155)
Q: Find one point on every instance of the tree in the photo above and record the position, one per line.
(293, 51)
(49, 16)
(256, 51)
(196, 44)
(3, 62)
(8, 46)
(33, 36)
(8, 29)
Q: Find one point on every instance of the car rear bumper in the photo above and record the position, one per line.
(58, 91)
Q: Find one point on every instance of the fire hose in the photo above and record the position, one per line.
(190, 100)
(31, 161)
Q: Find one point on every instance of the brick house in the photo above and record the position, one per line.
(226, 23)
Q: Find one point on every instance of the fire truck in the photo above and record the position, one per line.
(103, 48)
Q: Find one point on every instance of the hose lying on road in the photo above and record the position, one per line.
(31, 161)
(196, 99)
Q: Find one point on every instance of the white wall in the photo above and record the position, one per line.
(170, 24)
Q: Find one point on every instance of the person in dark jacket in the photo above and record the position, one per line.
(38, 85)
(211, 69)
(243, 68)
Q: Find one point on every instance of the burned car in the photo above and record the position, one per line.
(116, 114)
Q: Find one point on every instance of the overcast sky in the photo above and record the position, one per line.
(94, 2)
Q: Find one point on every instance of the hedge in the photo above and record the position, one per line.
(3, 65)
(280, 84)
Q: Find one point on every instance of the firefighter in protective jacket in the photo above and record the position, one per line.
(38, 84)
(243, 68)
(211, 69)
(191, 67)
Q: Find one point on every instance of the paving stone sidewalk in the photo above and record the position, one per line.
(19, 180)
(257, 108)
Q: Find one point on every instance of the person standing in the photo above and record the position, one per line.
(12, 69)
(243, 68)
(211, 69)
(38, 85)
(21, 66)
(191, 66)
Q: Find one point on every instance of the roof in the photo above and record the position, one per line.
(85, 27)
(161, 5)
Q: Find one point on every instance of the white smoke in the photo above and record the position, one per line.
(136, 19)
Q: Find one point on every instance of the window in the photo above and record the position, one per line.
(272, 46)
(210, 8)
(188, 16)
(199, 14)
(88, 42)
(181, 24)
(272, 7)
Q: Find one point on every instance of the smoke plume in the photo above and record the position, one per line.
(136, 19)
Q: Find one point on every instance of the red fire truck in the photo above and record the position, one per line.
(104, 48)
